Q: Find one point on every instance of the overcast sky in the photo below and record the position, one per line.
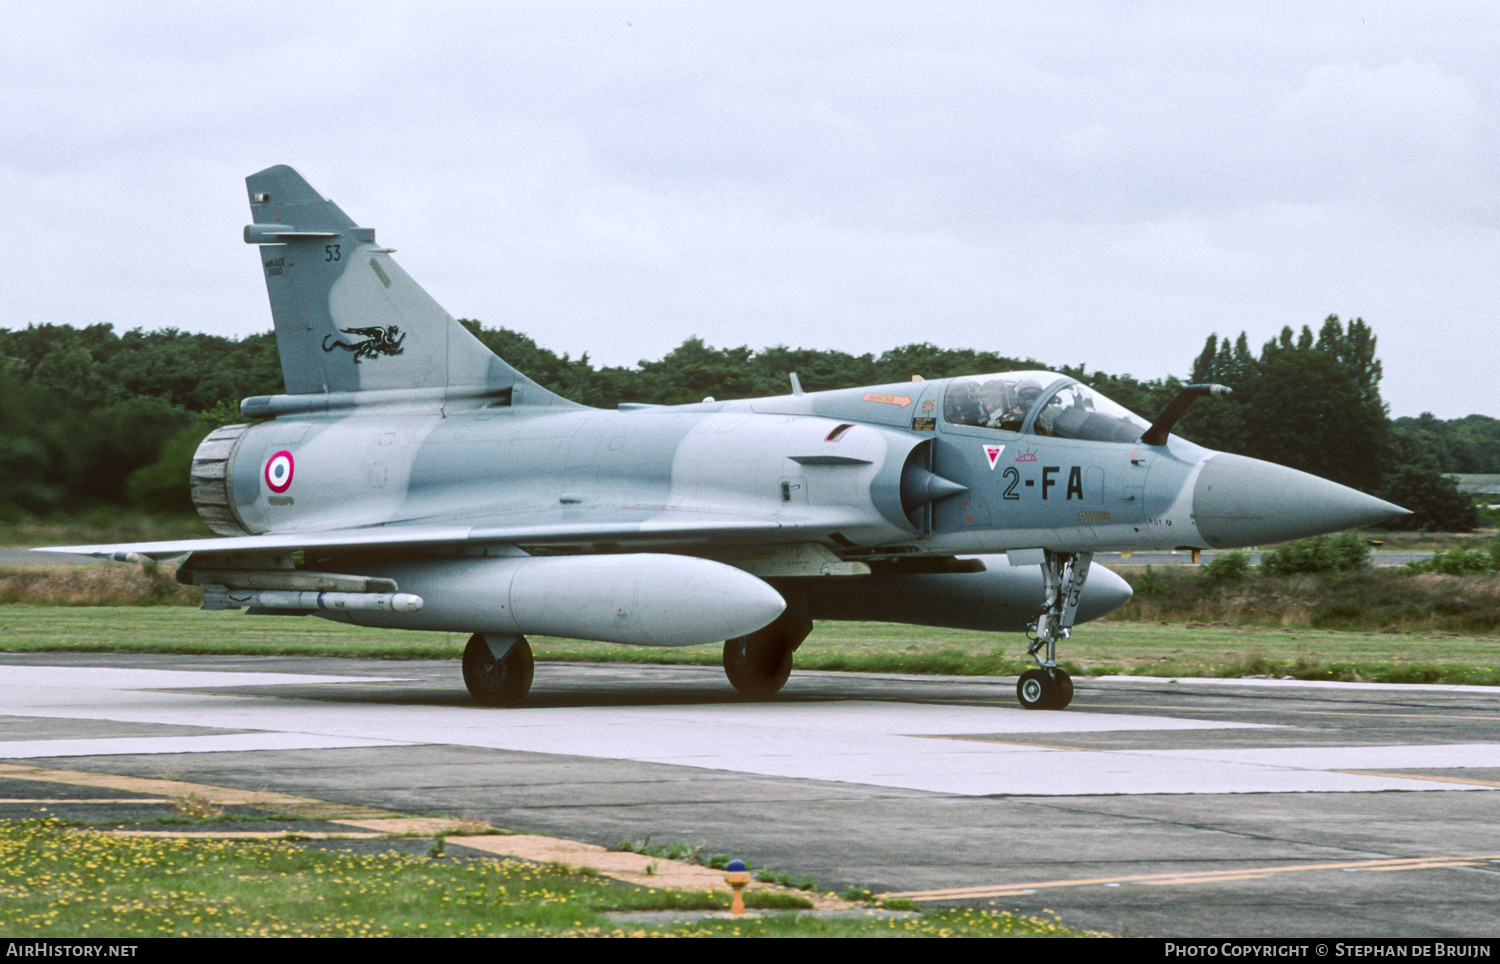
(1071, 182)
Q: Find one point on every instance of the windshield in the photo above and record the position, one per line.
(1042, 403)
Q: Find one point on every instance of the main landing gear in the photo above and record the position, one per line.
(758, 664)
(1048, 687)
(498, 669)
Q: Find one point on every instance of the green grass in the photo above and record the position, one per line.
(1107, 647)
(1115, 648)
(178, 629)
(57, 881)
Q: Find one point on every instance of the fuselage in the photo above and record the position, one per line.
(914, 468)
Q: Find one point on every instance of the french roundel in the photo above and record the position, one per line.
(279, 472)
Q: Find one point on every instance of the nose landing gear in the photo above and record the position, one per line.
(1048, 687)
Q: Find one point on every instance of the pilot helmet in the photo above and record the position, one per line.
(1027, 394)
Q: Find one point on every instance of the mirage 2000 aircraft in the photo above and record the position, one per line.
(411, 479)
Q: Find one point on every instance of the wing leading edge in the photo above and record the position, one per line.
(678, 532)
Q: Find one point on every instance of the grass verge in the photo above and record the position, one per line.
(1107, 647)
(1370, 600)
(57, 881)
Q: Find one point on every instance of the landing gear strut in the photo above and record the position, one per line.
(498, 669)
(1048, 687)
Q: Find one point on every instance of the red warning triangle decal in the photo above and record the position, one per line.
(992, 452)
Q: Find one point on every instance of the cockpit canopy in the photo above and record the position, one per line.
(1039, 403)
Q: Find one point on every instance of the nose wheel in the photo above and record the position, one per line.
(1037, 690)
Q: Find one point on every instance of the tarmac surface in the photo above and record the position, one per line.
(1193, 808)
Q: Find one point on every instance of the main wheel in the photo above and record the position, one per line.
(759, 664)
(1038, 691)
(502, 683)
(1064, 689)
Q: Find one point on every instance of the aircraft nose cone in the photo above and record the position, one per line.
(1103, 593)
(1239, 501)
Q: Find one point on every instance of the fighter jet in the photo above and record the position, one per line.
(409, 478)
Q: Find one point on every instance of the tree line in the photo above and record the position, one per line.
(90, 417)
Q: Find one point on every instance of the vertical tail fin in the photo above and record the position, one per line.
(347, 317)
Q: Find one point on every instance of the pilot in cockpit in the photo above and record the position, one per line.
(1024, 398)
(963, 406)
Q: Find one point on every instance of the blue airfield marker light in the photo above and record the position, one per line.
(737, 877)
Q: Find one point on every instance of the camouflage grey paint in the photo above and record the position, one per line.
(654, 599)
(404, 450)
(1002, 598)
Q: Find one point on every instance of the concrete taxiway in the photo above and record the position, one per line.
(1174, 808)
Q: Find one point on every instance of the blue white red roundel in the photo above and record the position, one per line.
(279, 471)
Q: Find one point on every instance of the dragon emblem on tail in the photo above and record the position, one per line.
(377, 341)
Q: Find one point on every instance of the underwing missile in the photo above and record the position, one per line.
(217, 597)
